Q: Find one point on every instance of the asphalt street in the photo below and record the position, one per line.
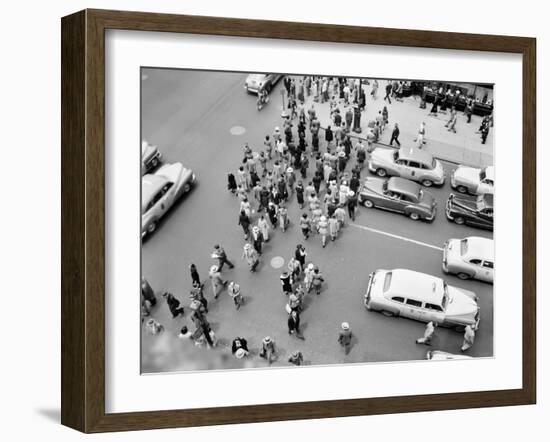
(193, 117)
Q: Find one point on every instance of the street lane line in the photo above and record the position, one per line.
(381, 232)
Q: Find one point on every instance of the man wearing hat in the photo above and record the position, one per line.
(268, 349)
(290, 179)
(221, 256)
(217, 281)
(344, 337)
(239, 345)
(296, 358)
(257, 239)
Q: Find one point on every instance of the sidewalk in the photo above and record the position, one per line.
(463, 147)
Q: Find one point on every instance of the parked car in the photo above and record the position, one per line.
(410, 163)
(470, 258)
(150, 157)
(472, 180)
(254, 82)
(160, 190)
(415, 295)
(398, 195)
(476, 212)
(438, 355)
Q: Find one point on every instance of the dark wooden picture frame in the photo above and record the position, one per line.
(83, 220)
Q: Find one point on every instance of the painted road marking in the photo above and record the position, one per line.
(237, 130)
(391, 235)
(277, 262)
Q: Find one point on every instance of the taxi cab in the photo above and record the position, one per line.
(470, 258)
(422, 297)
(410, 163)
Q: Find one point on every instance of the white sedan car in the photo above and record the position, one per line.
(470, 258)
(472, 180)
(160, 190)
(415, 295)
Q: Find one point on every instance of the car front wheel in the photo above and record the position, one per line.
(414, 216)
(427, 183)
(462, 189)
(186, 187)
(387, 313)
(368, 203)
(381, 172)
(463, 276)
(459, 220)
(151, 227)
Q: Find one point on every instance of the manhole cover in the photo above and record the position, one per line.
(277, 262)
(237, 130)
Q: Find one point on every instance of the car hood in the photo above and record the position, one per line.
(383, 155)
(462, 305)
(427, 199)
(469, 175)
(464, 203)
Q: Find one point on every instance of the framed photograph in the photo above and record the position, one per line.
(320, 220)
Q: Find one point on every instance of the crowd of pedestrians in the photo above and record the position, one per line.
(300, 164)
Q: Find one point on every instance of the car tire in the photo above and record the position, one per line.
(381, 172)
(459, 220)
(268, 87)
(387, 313)
(368, 204)
(427, 183)
(459, 328)
(463, 276)
(151, 227)
(186, 187)
(462, 189)
(414, 216)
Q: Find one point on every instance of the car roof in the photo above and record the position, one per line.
(481, 247)
(415, 154)
(150, 185)
(416, 285)
(402, 185)
(257, 76)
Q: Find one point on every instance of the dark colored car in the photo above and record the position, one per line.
(398, 195)
(476, 212)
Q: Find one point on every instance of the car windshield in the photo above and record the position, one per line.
(385, 187)
(463, 247)
(420, 195)
(396, 155)
(434, 163)
(482, 175)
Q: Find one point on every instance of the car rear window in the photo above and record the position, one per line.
(463, 247)
(387, 282)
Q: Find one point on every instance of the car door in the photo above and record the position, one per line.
(486, 271)
(393, 201)
(415, 170)
(475, 268)
(167, 198)
(402, 167)
(413, 309)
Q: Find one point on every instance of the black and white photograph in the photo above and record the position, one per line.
(294, 220)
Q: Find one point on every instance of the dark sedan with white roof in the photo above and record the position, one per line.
(398, 195)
